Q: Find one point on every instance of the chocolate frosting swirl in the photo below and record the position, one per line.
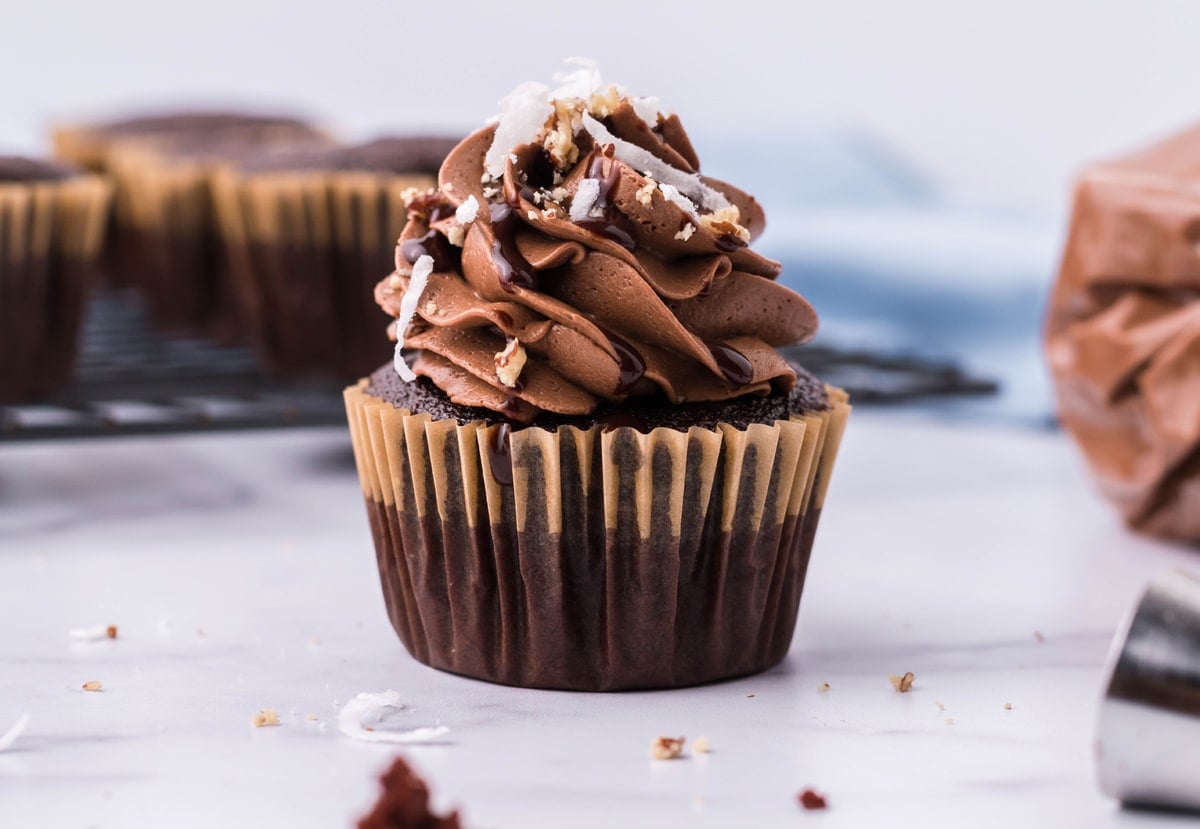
(528, 309)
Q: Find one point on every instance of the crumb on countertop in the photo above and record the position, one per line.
(667, 748)
(1008, 706)
(265, 716)
(903, 684)
(700, 745)
(93, 685)
(823, 687)
(809, 799)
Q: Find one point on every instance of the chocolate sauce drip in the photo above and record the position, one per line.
(515, 270)
(433, 244)
(613, 224)
(499, 454)
(728, 243)
(733, 363)
(540, 170)
(630, 364)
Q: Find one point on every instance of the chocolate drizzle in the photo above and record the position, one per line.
(434, 245)
(728, 243)
(630, 364)
(733, 363)
(612, 224)
(515, 270)
(499, 455)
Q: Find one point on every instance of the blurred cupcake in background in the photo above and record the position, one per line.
(51, 228)
(163, 236)
(307, 234)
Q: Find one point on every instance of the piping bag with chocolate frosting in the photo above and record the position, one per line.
(1123, 334)
(573, 254)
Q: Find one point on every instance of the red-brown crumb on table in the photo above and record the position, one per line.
(404, 803)
(811, 800)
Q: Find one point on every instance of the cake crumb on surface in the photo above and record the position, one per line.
(810, 800)
(940, 706)
(667, 748)
(96, 634)
(404, 802)
(1039, 636)
(1008, 706)
(700, 745)
(823, 687)
(265, 716)
(902, 684)
(949, 720)
(93, 685)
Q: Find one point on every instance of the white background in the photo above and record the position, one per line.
(1001, 101)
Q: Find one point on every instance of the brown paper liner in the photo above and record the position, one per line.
(164, 238)
(50, 238)
(615, 560)
(306, 249)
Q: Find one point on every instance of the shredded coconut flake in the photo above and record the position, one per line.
(688, 184)
(523, 113)
(585, 197)
(646, 109)
(422, 268)
(93, 634)
(672, 194)
(358, 716)
(582, 82)
(467, 211)
(18, 728)
(686, 233)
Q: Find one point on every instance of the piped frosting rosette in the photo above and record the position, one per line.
(573, 253)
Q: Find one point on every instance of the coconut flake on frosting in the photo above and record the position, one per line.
(689, 184)
(533, 111)
(672, 194)
(422, 268)
(523, 114)
(584, 199)
(468, 210)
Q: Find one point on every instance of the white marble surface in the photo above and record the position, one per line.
(944, 547)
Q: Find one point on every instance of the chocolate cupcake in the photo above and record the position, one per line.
(588, 467)
(308, 233)
(1123, 333)
(163, 237)
(51, 227)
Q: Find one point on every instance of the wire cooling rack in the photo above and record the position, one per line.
(134, 379)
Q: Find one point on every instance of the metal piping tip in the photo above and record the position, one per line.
(1148, 736)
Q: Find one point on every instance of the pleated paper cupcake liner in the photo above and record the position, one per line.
(165, 242)
(306, 250)
(50, 239)
(599, 559)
